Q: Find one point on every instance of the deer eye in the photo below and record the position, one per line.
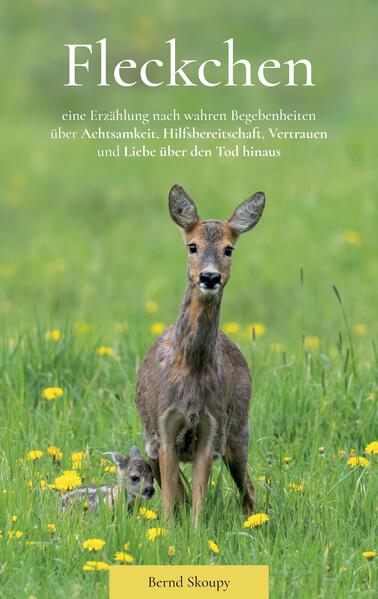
(192, 248)
(228, 251)
(134, 479)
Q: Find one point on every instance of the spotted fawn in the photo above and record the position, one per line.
(135, 479)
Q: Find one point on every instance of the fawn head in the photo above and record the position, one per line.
(135, 473)
(210, 243)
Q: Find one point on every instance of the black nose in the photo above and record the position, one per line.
(148, 491)
(210, 279)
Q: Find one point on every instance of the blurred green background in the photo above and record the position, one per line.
(85, 239)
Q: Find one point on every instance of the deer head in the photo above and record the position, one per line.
(210, 243)
(134, 472)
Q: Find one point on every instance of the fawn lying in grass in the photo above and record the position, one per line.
(135, 479)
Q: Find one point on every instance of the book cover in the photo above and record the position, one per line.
(161, 420)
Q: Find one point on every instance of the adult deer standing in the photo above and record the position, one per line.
(193, 387)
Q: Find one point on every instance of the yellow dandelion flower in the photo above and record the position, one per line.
(52, 393)
(77, 458)
(297, 487)
(34, 455)
(358, 461)
(360, 329)
(15, 534)
(29, 484)
(14, 518)
(277, 347)
(68, 480)
(55, 453)
(157, 328)
(372, 447)
(85, 506)
(42, 484)
(154, 533)
(110, 469)
(287, 459)
(171, 551)
(311, 342)
(51, 486)
(93, 544)
(231, 327)
(104, 351)
(151, 307)
(256, 520)
(264, 479)
(352, 237)
(93, 566)
(51, 528)
(81, 328)
(147, 514)
(213, 546)
(53, 335)
(124, 558)
(369, 555)
(256, 329)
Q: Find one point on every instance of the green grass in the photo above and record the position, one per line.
(303, 401)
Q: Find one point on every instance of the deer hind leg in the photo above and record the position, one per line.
(236, 462)
(202, 463)
(155, 467)
(171, 486)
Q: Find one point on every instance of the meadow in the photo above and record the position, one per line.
(313, 416)
(92, 269)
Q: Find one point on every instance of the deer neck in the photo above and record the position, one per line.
(196, 329)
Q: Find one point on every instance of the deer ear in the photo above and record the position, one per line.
(182, 209)
(120, 461)
(134, 453)
(248, 214)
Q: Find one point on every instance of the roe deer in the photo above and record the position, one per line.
(194, 388)
(135, 479)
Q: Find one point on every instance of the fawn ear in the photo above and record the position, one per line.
(182, 209)
(120, 461)
(248, 214)
(134, 453)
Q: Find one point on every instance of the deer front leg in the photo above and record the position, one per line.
(170, 479)
(202, 463)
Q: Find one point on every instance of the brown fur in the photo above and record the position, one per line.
(194, 388)
(135, 480)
